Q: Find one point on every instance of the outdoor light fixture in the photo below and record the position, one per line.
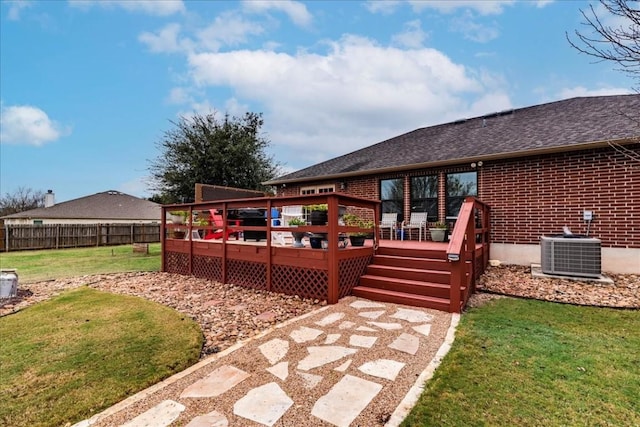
(343, 186)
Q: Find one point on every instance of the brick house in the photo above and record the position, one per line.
(539, 168)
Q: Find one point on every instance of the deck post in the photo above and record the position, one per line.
(223, 269)
(333, 291)
(189, 228)
(269, 247)
(163, 221)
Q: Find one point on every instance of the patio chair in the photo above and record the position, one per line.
(217, 220)
(417, 220)
(195, 235)
(289, 212)
(390, 221)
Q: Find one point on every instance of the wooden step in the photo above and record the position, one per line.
(384, 295)
(412, 262)
(413, 252)
(422, 275)
(438, 290)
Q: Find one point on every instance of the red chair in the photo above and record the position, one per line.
(217, 220)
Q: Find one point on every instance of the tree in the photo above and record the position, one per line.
(23, 199)
(619, 43)
(202, 149)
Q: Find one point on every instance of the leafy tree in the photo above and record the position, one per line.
(619, 43)
(203, 149)
(23, 199)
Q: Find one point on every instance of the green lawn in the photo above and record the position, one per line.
(60, 263)
(68, 358)
(531, 363)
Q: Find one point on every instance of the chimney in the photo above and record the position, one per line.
(49, 199)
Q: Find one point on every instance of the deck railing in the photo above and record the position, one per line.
(332, 260)
(468, 250)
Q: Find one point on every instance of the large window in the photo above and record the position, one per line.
(392, 196)
(424, 195)
(459, 186)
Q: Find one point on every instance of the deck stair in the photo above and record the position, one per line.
(412, 276)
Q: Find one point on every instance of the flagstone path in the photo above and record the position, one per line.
(348, 364)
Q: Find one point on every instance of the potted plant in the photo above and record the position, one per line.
(357, 238)
(438, 231)
(297, 235)
(318, 214)
(178, 218)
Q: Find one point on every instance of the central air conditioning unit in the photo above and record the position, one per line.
(571, 256)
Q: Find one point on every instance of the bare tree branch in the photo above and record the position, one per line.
(619, 43)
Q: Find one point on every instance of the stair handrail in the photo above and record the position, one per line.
(461, 252)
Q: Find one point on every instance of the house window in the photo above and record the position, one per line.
(459, 186)
(392, 196)
(318, 189)
(38, 222)
(424, 195)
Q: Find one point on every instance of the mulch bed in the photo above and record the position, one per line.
(516, 281)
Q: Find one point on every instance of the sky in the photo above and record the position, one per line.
(88, 88)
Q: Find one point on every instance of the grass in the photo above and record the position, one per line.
(68, 358)
(49, 264)
(532, 363)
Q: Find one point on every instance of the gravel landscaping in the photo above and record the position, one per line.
(229, 313)
(515, 280)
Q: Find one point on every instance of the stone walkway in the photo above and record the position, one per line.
(355, 363)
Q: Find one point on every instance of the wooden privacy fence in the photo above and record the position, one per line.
(57, 236)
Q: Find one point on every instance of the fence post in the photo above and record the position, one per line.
(6, 237)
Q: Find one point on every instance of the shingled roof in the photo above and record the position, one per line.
(566, 125)
(105, 206)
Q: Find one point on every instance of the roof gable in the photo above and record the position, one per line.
(556, 126)
(108, 205)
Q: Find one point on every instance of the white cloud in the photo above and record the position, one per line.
(179, 95)
(543, 3)
(384, 7)
(166, 40)
(412, 37)
(467, 25)
(486, 7)
(355, 94)
(149, 7)
(16, 7)
(296, 11)
(23, 124)
(228, 29)
(573, 92)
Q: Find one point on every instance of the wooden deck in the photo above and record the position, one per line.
(428, 274)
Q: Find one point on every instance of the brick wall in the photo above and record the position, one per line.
(538, 195)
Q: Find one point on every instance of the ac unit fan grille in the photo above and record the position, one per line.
(571, 256)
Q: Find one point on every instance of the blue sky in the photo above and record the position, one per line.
(88, 88)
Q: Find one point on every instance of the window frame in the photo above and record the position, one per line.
(455, 202)
(318, 189)
(386, 203)
(426, 204)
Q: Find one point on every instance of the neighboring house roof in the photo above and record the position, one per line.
(109, 205)
(570, 124)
